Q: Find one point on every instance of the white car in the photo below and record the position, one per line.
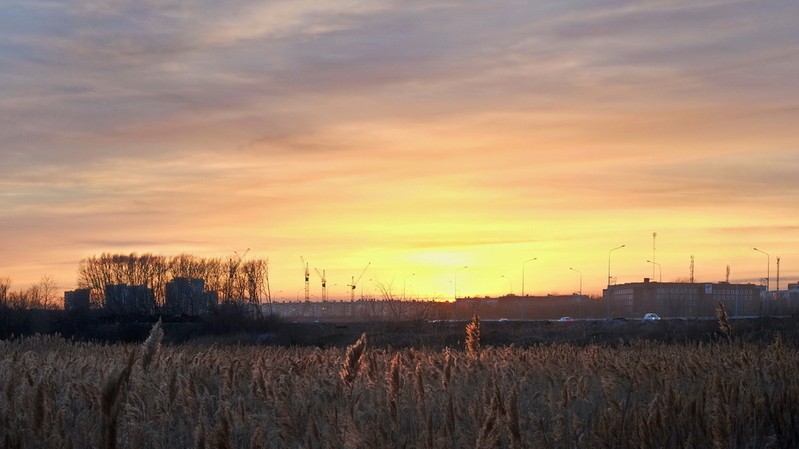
(651, 317)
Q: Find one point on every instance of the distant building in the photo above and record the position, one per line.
(550, 307)
(77, 300)
(187, 296)
(123, 299)
(681, 299)
(359, 310)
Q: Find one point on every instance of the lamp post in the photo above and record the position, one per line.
(654, 236)
(456, 279)
(581, 278)
(611, 250)
(528, 260)
(768, 269)
(510, 284)
(403, 284)
(660, 269)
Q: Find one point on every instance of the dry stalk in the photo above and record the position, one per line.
(152, 345)
(447, 375)
(513, 420)
(111, 400)
(473, 337)
(489, 435)
(393, 387)
(223, 434)
(724, 324)
(199, 436)
(352, 361)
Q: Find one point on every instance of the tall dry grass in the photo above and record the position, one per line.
(60, 394)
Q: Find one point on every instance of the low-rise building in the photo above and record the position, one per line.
(77, 300)
(682, 299)
(123, 299)
(550, 307)
(187, 296)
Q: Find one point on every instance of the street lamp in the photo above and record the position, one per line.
(768, 269)
(403, 284)
(581, 278)
(613, 249)
(510, 284)
(660, 269)
(456, 279)
(528, 260)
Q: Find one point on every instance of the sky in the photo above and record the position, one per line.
(418, 137)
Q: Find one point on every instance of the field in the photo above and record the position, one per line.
(642, 394)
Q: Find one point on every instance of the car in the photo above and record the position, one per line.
(651, 317)
(566, 319)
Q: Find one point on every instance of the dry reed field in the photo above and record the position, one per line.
(61, 394)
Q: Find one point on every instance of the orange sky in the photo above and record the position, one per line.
(420, 137)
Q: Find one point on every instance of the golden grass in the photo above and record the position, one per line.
(60, 394)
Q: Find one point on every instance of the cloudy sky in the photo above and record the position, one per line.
(420, 136)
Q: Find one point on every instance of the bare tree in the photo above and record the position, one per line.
(47, 292)
(21, 299)
(5, 287)
(94, 273)
(188, 266)
(234, 291)
(254, 274)
(34, 295)
(214, 274)
(422, 310)
(395, 308)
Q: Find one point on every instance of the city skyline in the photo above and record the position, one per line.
(419, 137)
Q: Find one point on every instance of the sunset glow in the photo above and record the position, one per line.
(419, 136)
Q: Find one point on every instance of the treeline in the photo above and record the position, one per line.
(42, 295)
(235, 279)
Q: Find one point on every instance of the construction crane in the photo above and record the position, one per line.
(355, 282)
(307, 279)
(324, 283)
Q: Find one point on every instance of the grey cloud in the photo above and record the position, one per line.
(123, 68)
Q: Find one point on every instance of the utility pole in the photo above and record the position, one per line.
(768, 269)
(528, 260)
(610, 251)
(654, 235)
(581, 278)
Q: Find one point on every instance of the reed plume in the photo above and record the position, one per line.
(152, 346)
(513, 420)
(724, 324)
(111, 400)
(473, 337)
(352, 361)
(393, 386)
